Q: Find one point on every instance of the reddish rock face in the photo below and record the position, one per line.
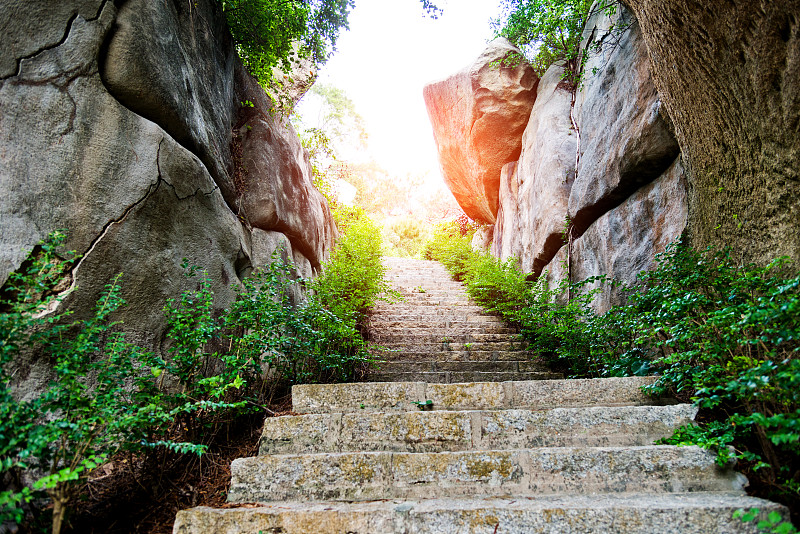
(478, 118)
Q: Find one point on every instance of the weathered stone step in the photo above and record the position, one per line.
(380, 319)
(403, 308)
(387, 336)
(683, 513)
(433, 306)
(424, 300)
(438, 431)
(429, 289)
(456, 377)
(361, 476)
(448, 346)
(440, 332)
(391, 355)
(416, 366)
(535, 395)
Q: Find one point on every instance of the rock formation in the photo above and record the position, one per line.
(734, 96)
(542, 179)
(478, 116)
(601, 162)
(136, 129)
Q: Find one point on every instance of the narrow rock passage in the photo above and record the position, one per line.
(425, 454)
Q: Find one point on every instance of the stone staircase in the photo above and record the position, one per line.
(438, 335)
(500, 453)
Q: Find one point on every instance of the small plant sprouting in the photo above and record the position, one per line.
(774, 522)
(425, 405)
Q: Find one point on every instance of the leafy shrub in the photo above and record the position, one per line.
(108, 395)
(729, 336)
(354, 278)
(74, 425)
(724, 335)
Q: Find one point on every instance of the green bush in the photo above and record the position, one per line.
(724, 335)
(729, 337)
(67, 430)
(353, 279)
(108, 395)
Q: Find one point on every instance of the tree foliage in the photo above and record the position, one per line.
(548, 31)
(273, 34)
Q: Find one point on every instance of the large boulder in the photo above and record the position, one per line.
(138, 178)
(273, 175)
(132, 200)
(625, 240)
(625, 140)
(173, 63)
(603, 164)
(729, 74)
(478, 117)
(544, 174)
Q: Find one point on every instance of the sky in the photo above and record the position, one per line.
(389, 54)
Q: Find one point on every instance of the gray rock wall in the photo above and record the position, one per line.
(729, 75)
(542, 179)
(117, 124)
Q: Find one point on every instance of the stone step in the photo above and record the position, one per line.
(439, 332)
(380, 319)
(416, 366)
(427, 289)
(448, 346)
(504, 336)
(681, 513)
(362, 476)
(423, 301)
(392, 355)
(438, 431)
(456, 377)
(433, 306)
(534, 395)
(403, 308)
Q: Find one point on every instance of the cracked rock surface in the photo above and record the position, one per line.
(116, 126)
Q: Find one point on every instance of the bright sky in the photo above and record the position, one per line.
(389, 54)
